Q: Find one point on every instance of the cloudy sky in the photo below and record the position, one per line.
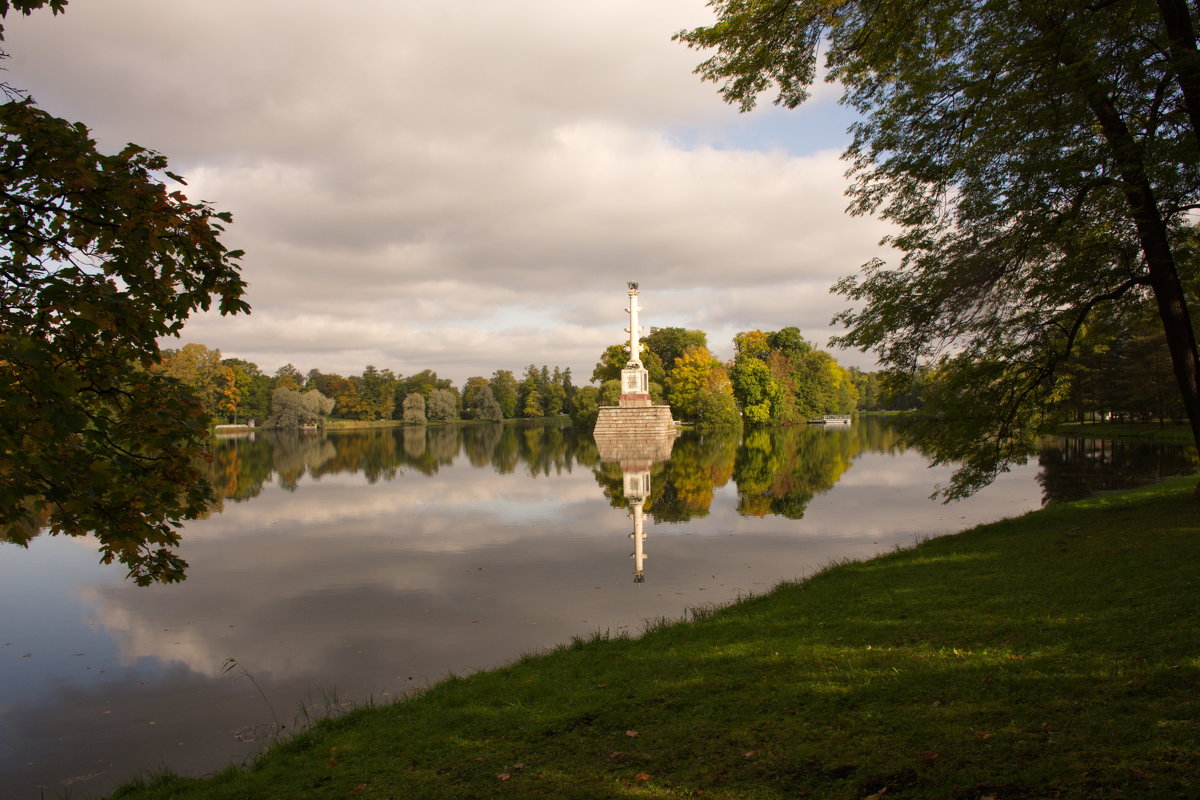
(464, 186)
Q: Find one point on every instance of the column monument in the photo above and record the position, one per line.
(635, 380)
(636, 422)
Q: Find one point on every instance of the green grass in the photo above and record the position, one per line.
(1166, 433)
(1052, 655)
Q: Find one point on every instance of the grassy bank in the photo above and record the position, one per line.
(1054, 655)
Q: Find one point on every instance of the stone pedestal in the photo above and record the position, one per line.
(626, 430)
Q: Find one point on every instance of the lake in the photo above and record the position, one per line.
(345, 568)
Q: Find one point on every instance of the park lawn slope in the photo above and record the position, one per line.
(1052, 655)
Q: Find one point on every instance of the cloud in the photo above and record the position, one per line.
(466, 186)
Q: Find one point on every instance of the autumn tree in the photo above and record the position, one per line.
(99, 259)
(289, 377)
(253, 388)
(210, 380)
(699, 390)
(378, 389)
(1040, 162)
(668, 344)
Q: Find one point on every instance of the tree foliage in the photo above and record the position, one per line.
(98, 261)
(292, 409)
(211, 381)
(442, 405)
(1040, 161)
(414, 408)
(779, 377)
(699, 390)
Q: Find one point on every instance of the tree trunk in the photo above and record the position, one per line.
(1156, 250)
(1184, 59)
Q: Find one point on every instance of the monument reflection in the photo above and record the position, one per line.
(636, 455)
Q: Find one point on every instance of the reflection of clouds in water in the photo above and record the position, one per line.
(280, 598)
(301, 597)
(457, 490)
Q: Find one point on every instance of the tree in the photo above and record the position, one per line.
(292, 409)
(587, 407)
(442, 405)
(700, 390)
(254, 389)
(211, 382)
(755, 390)
(1040, 160)
(414, 408)
(378, 392)
(484, 405)
(98, 261)
(289, 377)
(615, 358)
(668, 344)
(504, 389)
(472, 391)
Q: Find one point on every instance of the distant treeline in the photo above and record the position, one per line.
(774, 377)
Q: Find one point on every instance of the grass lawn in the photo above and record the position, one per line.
(1052, 655)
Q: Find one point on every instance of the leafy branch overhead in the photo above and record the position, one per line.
(98, 260)
(1041, 163)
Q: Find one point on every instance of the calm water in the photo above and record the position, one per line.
(340, 568)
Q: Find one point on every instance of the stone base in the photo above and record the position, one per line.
(634, 432)
(635, 400)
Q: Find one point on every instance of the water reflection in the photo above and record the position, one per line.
(371, 562)
(1072, 469)
(635, 456)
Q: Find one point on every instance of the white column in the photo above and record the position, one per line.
(635, 346)
(639, 539)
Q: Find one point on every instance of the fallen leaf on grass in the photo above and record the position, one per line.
(642, 776)
(632, 734)
(503, 776)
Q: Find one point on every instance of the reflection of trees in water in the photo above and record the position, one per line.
(373, 454)
(699, 464)
(480, 441)
(297, 453)
(779, 470)
(1075, 468)
(546, 450)
(681, 488)
(241, 466)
